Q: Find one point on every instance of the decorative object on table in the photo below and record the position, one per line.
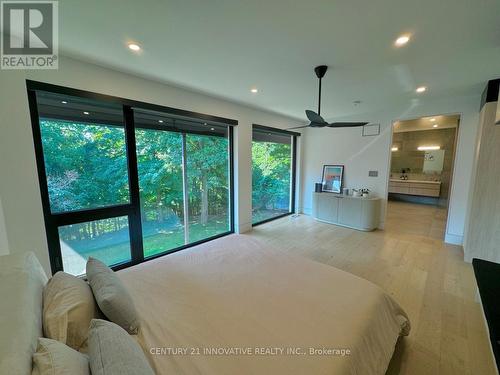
(345, 191)
(318, 187)
(365, 193)
(356, 193)
(332, 178)
(371, 130)
(404, 172)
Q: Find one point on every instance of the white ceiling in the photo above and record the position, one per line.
(225, 47)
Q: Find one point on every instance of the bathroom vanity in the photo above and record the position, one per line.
(415, 187)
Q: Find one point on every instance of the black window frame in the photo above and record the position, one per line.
(132, 209)
(294, 138)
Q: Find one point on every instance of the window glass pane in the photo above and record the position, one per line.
(159, 162)
(271, 175)
(84, 153)
(107, 240)
(208, 186)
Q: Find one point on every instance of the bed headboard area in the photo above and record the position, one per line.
(22, 279)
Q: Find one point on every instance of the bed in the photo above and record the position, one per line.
(235, 306)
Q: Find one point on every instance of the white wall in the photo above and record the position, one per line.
(361, 154)
(19, 188)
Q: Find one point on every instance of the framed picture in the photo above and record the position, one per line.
(332, 178)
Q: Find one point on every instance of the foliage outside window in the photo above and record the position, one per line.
(271, 175)
(182, 167)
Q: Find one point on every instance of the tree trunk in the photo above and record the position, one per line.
(159, 206)
(204, 199)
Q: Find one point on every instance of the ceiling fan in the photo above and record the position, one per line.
(316, 121)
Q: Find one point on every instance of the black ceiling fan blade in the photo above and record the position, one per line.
(347, 124)
(298, 127)
(314, 117)
(318, 124)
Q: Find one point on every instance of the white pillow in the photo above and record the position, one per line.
(22, 279)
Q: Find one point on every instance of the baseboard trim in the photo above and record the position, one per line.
(453, 239)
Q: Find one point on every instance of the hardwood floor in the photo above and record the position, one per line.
(409, 261)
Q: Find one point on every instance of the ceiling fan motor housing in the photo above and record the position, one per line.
(321, 71)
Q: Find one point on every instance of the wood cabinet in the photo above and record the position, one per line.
(357, 213)
(415, 187)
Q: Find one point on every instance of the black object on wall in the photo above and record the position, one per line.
(490, 93)
(488, 283)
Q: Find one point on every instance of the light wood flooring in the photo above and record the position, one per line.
(410, 261)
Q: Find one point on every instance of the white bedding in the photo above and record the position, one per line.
(238, 297)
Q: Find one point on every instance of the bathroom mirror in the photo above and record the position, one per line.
(433, 161)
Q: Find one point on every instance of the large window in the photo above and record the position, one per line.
(273, 173)
(124, 181)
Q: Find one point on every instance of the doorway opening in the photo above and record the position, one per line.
(421, 173)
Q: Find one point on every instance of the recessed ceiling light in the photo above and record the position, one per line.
(85, 113)
(254, 90)
(435, 125)
(427, 148)
(160, 121)
(421, 89)
(394, 149)
(212, 129)
(134, 47)
(64, 102)
(402, 40)
(432, 119)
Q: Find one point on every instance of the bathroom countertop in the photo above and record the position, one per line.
(414, 181)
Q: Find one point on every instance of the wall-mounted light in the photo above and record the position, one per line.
(394, 149)
(428, 148)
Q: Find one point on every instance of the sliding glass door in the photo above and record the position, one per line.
(183, 181)
(207, 165)
(159, 162)
(122, 183)
(273, 173)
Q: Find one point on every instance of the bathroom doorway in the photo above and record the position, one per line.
(421, 173)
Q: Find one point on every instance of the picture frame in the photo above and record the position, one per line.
(333, 178)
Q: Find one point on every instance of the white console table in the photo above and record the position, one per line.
(352, 212)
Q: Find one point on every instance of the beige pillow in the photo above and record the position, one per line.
(111, 296)
(113, 351)
(68, 308)
(54, 358)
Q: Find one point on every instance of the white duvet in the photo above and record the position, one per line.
(234, 306)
